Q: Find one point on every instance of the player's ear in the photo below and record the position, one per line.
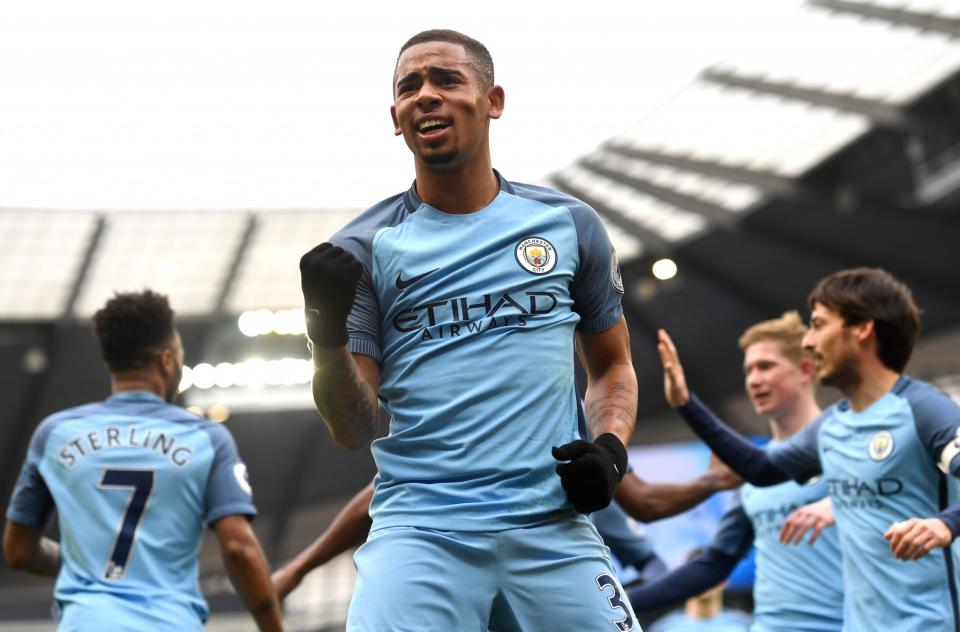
(807, 366)
(168, 361)
(396, 124)
(497, 99)
(863, 330)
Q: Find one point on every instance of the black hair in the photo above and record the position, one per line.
(863, 294)
(131, 327)
(479, 55)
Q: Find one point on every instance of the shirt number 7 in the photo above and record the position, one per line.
(141, 483)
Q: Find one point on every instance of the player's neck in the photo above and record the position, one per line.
(875, 381)
(464, 189)
(793, 416)
(136, 381)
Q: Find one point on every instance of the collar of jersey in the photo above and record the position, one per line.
(413, 202)
(898, 387)
(134, 396)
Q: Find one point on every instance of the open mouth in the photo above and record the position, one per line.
(430, 127)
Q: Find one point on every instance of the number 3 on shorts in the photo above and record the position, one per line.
(616, 602)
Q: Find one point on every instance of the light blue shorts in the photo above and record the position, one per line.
(555, 576)
(95, 611)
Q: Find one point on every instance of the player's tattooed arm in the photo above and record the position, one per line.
(613, 408)
(25, 549)
(590, 472)
(611, 395)
(248, 571)
(345, 393)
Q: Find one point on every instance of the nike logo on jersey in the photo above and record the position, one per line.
(403, 284)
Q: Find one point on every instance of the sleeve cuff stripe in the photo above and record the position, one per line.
(365, 347)
(25, 518)
(243, 509)
(601, 324)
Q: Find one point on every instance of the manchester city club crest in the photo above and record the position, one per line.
(615, 279)
(881, 445)
(536, 255)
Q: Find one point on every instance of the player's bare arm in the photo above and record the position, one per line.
(649, 502)
(814, 517)
(349, 529)
(344, 388)
(611, 395)
(26, 549)
(248, 570)
(345, 393)
(594, 470)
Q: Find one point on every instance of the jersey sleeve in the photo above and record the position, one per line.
(228, 489)
(363, 321)
(937, 419)
(743, 457)
(31, 502)
(734, 535)
(597, 286)
(357, 238)
(799, 456)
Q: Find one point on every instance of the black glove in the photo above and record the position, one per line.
(594, 471)
(328, 277)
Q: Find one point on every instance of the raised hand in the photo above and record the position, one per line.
(328, 277)
(674, 382)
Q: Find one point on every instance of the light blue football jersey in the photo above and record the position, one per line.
(133, 479)
(798, 588)
(472, 318)
(881, 467)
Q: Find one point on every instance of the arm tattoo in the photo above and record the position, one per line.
(616, 406)
(345, 399)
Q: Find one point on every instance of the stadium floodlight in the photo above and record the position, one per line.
(262, 322)
(664, 269)
(186, 380)
(224, 375)
(252, 373)
(204, 376)
(218, 413)
(289, 322)
(256, 322)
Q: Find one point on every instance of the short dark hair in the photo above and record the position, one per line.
(478, 53)
(863, 294)
(131, 327)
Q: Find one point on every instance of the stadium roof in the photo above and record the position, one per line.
(835, 143)
(755, 124)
